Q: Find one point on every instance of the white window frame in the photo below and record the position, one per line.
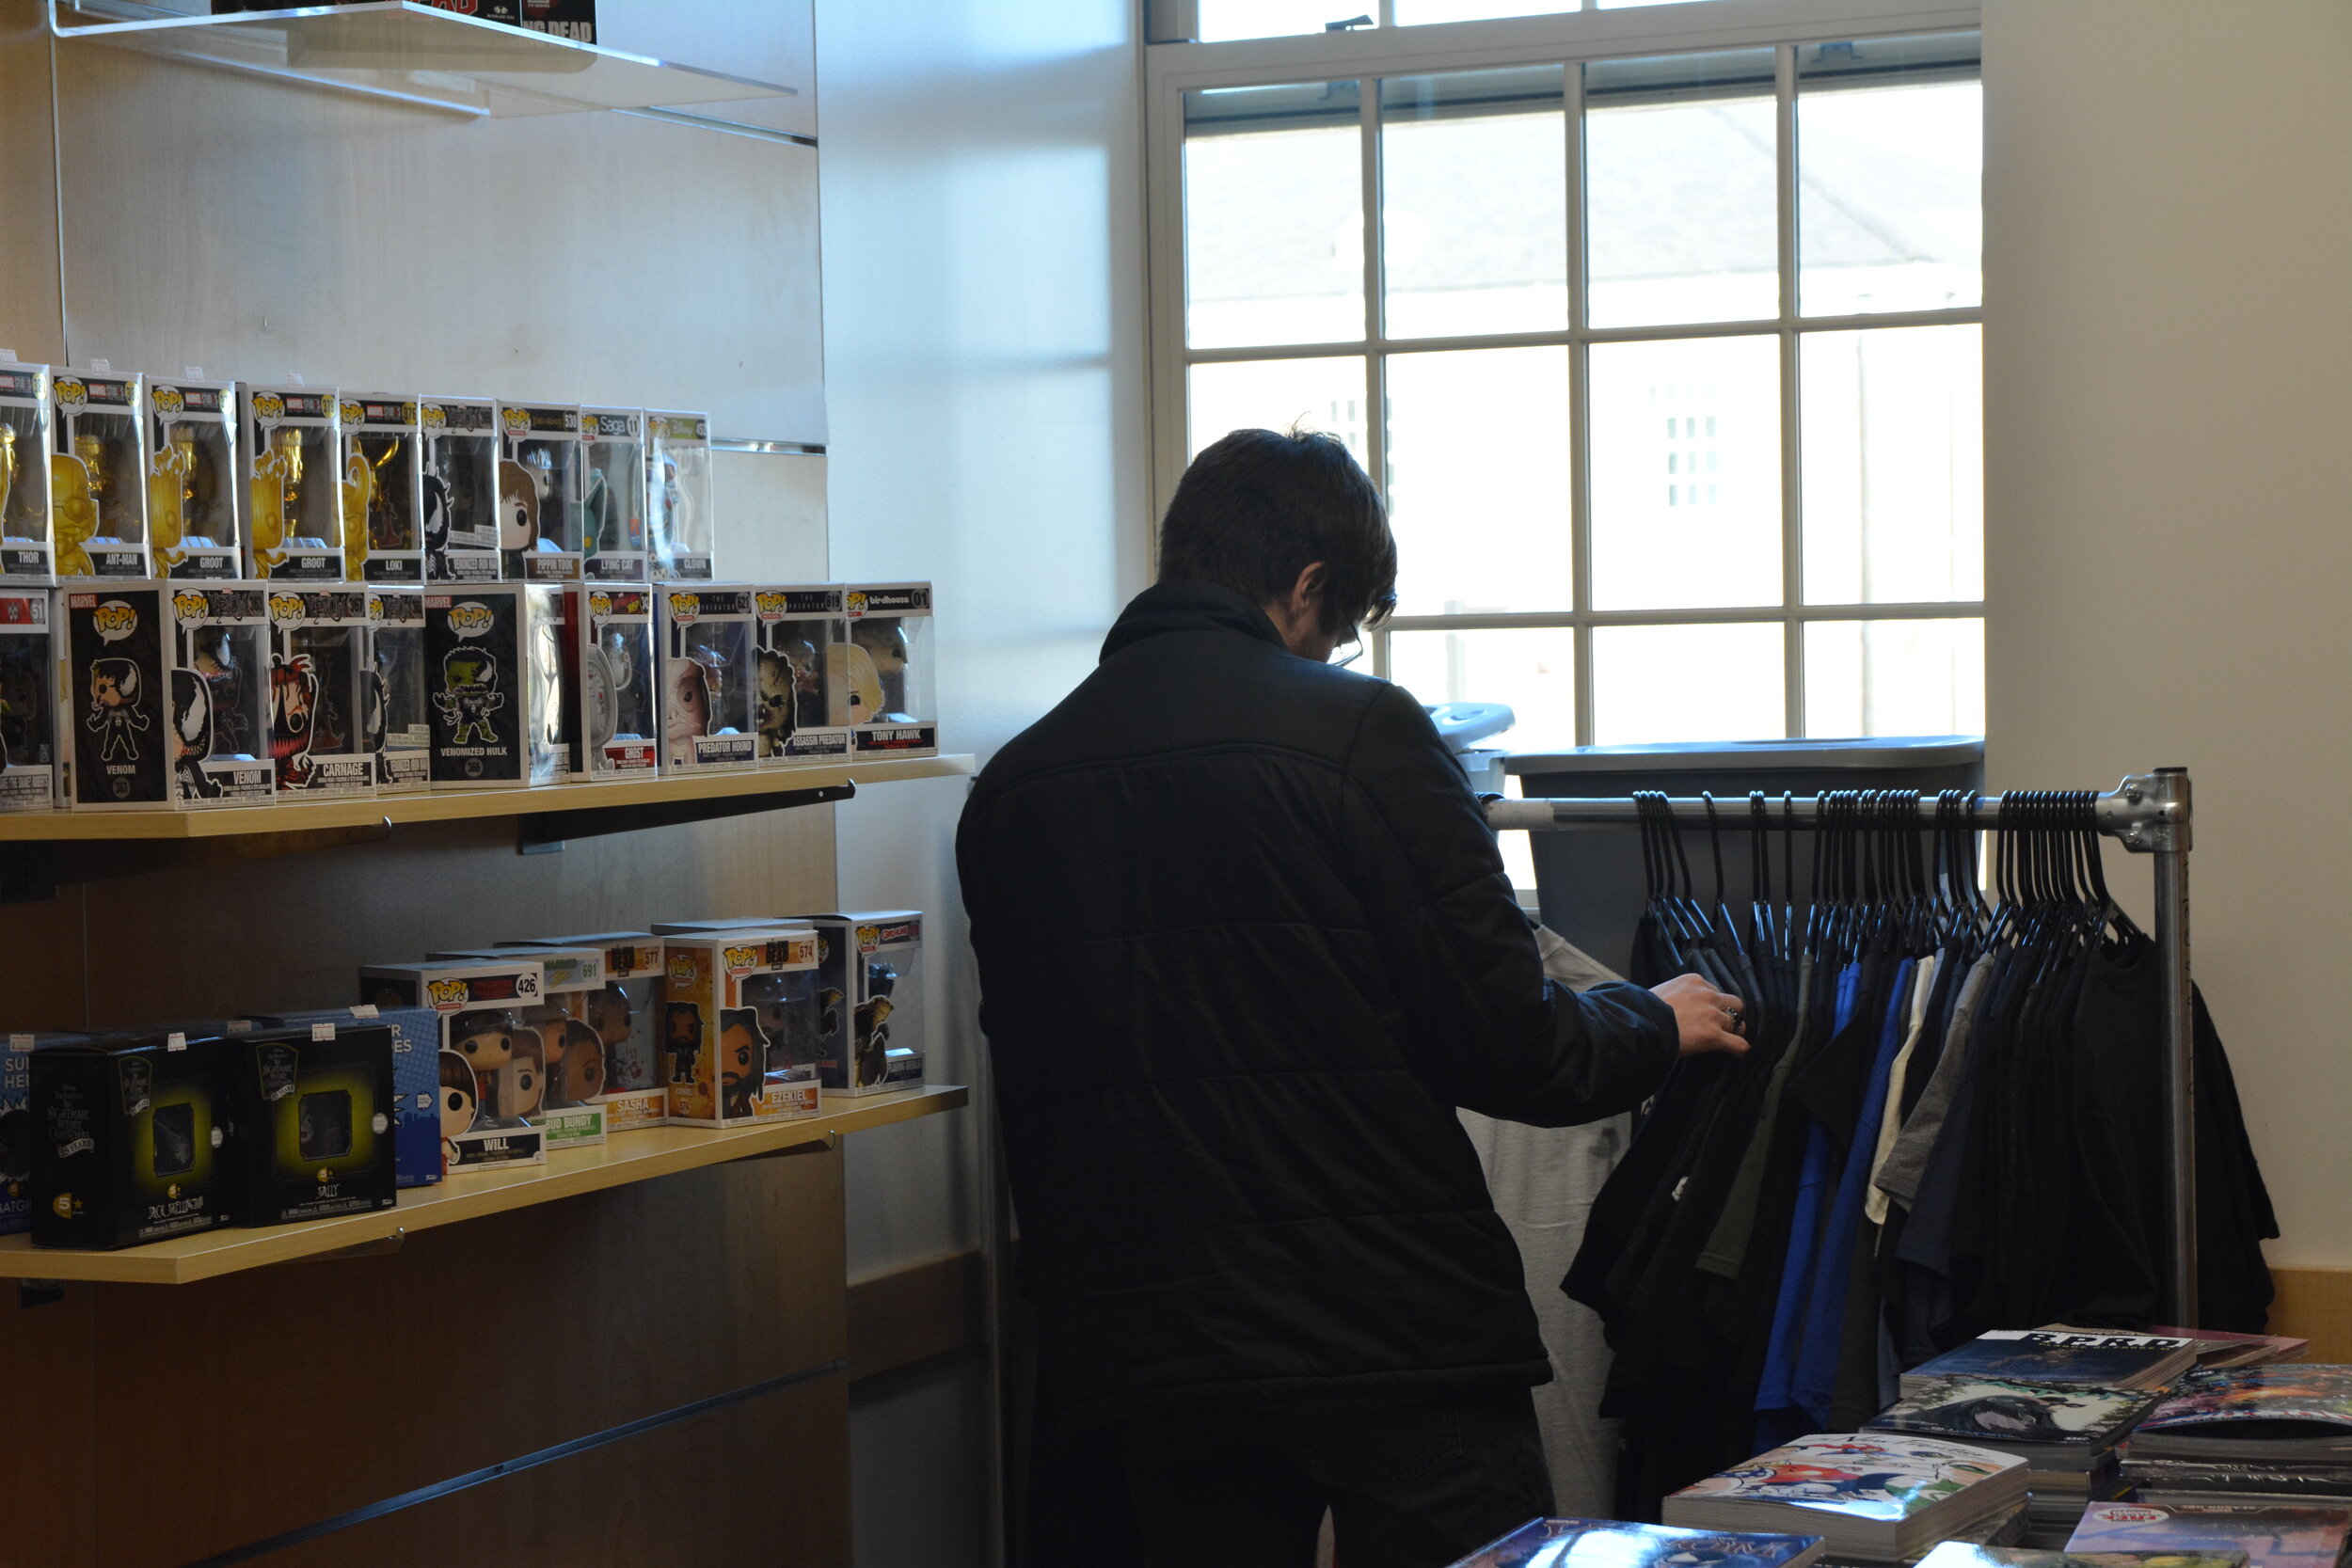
(1171, 69)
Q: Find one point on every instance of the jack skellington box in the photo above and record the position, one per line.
(416, 1044)
(492, 1065)
(623, 1014)
(612, 495)
(726, 1006)
(383, 488)
(293, 447)
(458, 492)
(539, 492)
(618, 673)
(28, 702)
(709, 638)
(321, 690)
(26, 555)
(134, 1139)
(192, 488)
(97, 475)
(16, 1124)
(800, 710)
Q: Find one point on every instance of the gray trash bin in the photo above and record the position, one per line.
(1589, 880)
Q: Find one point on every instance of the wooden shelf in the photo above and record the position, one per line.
(627, 1157)
(451, 806)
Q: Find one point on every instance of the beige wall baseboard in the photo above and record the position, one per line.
(2314, 1304)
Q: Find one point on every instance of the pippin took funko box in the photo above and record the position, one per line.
(678, 496)
(613, 534)
(27, 558)
(459, 490)
(801, 705)
(97, 475)
(492, 1068)
(709, 641)
(134, 1140)
(724, 1002)
(383, 488)
(618, 673)
(314, 1109)
(167, 695)
(893, 700)
(28, 702)
(398, 715)
(192, 487)
(539, 492)
(872, 996)
(623, 1014)
(320, 688)
(290, 444)
(571, 1108)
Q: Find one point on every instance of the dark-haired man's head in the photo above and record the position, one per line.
(1292, 523)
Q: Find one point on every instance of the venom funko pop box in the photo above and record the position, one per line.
(16, 1124)
(460, 489)
(168, 692)
(134, 1139)
(491, 1066)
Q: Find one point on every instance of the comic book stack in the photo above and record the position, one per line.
(2066, 1436)
(1873, 1497)
(2244, 1434)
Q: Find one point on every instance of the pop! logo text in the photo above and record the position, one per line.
(516, 419)
(685, 607)
(446, 994)
(600, 606)
(114, 620)
(741, 958)
(435, 416)
(268, 406)
(471, 619)
(71, 393)
(683, 969)
(286, 607)
(771, 606)
(190, 606)
(168, 400)
(855, 604)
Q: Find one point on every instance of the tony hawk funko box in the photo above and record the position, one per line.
(134, 1139)
(315, 1110)
(728, 1003)
(893, 700)
(623, 1014)
(492, 1068)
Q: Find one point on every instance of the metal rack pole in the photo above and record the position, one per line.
(2148, 814)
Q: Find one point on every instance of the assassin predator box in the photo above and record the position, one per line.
(398, 715)
(490, 1063)
(166, 688)
(726, 1003)
(613, 534)
(383, 488)
(623, 1014)
(28, 702)
(192, 488)
(802, 707)
(893, 700)
(26, 555)
(134, 1139)
(871, 996)
(539, 492)
(678, 496)
(97, 475)
(315, 1110)
(709, 634)
(292, 441)
(459, 488)
(415, 1045)
(321, 688)
(621, 737)
(495, 708)
(571, 1106)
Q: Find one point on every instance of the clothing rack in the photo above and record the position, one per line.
(2148, 815)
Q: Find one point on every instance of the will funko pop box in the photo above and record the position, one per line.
(623, 1014)
(722, 996)
(571, 1103)
(490, 1064)
(134, 1140)
(314, 1113)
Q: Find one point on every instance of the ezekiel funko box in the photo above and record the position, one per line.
(134, 1140)
(491, 1065)
(314, 1116)
(732, 1001)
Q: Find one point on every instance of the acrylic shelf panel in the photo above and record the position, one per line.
(626, 1157)
(411, 52)
(548, 801)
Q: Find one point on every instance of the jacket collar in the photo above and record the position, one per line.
(1187, 607)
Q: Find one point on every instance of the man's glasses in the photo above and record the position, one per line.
(1355, 640)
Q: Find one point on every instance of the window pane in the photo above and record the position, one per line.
(1474, 202)
(1685, 440)
(1412, 12)
(1893, 462)
(1688, 683)
(1893, 677)
(1267, 19)
(1681, 215)
(1534, 672)
(1325, 394)
(1478, 480)
(1274, 218)
(1890, 165)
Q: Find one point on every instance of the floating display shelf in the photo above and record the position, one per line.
(411, 52)
(627, 1157)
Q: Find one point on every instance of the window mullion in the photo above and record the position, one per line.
(1580, 478)
(1375, 367)
(1792, 479)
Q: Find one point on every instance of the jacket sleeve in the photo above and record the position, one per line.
(1493, 1033)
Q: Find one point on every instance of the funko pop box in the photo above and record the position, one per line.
(291, 438)
(625, 1014)
(733, 1002)
(571, 1103)
(612, 495)
(498, 715)
(134, 1139)
(320, 690)
(192, 489)
(619, 716)
(893, 698)
(709, 640)
(97, 475)
(28, 702)
(415, 1045)
(801, 706)
(16, 1124)
(678, 506)
(872, 983)
(540, 489)
(25, 557)
(398, 712)
(489, 1060)
(460, 489)
(314, 1112)
(167, 689)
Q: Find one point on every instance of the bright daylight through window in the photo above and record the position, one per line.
(1668, 368)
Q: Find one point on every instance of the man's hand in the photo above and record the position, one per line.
(1709, 1019)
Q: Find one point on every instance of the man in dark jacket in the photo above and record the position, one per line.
(1245, 943)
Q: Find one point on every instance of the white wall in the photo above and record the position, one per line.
(983, 254)
(2169, 516)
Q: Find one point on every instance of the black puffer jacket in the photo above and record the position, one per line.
(1245, 942)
